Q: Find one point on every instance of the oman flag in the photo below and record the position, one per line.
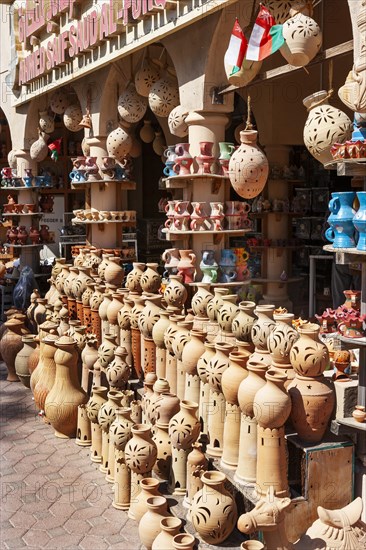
(235, 53)
(266, 37)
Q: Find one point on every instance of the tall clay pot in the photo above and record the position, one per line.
(22, 359)
(171, 359)
(106, 350)
(114, 272)
(118, 371)
(46, 372)
(183, 541)
(66, 394)
(10, 345)
(243, 321)
(134, 277)
(149, 526)
(139, 303)
(170, 526)
(123, 319)
(175, 293)
(158, 332)
(166, 406)
(97, 399)
(151, 280)
(107, 415)
(261, 330)
(149, 488)
(213, 510)
(180, 340)
(201, 299)
(120, 433)
(225, 317)
(112, 313)
(148, 317)
(202, 364)
(215, 304)
(196, 465)
(309, 356)
(192, 351)
(280, 342)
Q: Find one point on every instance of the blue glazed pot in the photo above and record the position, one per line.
(359, 220)
(228, 274)
(228, 257)
(341, 231)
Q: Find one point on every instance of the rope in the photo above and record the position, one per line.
(249, 125)
(330, 91)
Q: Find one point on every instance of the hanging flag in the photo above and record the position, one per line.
(237, 47)
(266, 37)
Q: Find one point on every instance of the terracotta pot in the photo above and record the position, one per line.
(280, 342)
(272, 404)
(134, 277)
(106, 350)
(113, 308)
(89, 356)
(249, 387)
(200, 299)
(213, 510)
(202, 365)
(107, 415)
(196, 464)
(184, 382)
(149, 488)
(308, 356)
(97, 399)
(233, 376)
(243, 322)
(40, 311)
(252, 545)
(141, 451)
(120, 432)
(57, 267)
(161, 386)
(166, 406)
(150, 314)
(46, 371)
(149, 526)
(183, 541)
(227, 313)
(263, 326)
(10, 345)
(114, 272)
(66, 394)
(170, 526)
(248, 183)
(149, 382)
(22, 359)
(175, 293)
(313, 399)
(150, 279)
(103, 265)
(118, 371)
(303, 39)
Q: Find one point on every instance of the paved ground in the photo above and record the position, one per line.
(52, 495)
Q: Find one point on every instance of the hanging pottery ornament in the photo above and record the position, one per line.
(164, 95)
(85, 147)
(324, 126)
(119, 143)
(72, 117)
(58, 102)
(303, 39)
(46, 122)
(246, 73)
(86, 121)
(159, 144)
(177, 121)
(131, 105)
(135, 150)
(281, 10)
(12, 159)
(146, 77)
(55, 148)
(39, 150)
(147, 133)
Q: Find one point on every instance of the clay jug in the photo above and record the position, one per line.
(10, 345)
(180, 340)
(183, 541)
(272, 404)
(261, 329)
(89, 356)
(46, 371)
(66, 395)
(61, 278)
(113, 308)
(149, 382)
(243, 321)
(149, 526)
(226, 314)
(22, 359)
(40, 311)
(165, 407)
(201, 299)
(150, 314)
(170, 526)
(118, 371)
(103, 265)
(114, 272)
(303, 39)
(309, 356)
(120, 434)
(213, 510)
(103, 308)
(196, 464)
(280, 342)
(161, 386)
(150, 280)
(57, 267)
(141, 451)
(175, 293)
(248, 183)
(149, 488)
(106, 350)
(134, 277)
(249, 387)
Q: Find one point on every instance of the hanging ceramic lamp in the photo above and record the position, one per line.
(303, 40)
(177, 121)
(159, 144)
(72, 117)
(248, 166)
(164, 95)
(282, 10)
(39, 149)
(46, 122)
(119, 143)
(324, 126)
(59, 101)
(146, 77)
(147, 133)
(131, 106)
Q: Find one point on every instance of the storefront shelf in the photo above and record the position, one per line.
(8, 245)
(350, 422)
(22, 188)
(218, 285)
(104, 222)
(346, 255)
(13, 214)
(181, 182)
(273, 247)
(262, 214)
(354, 342)
(217, 235)
(126, 185)
(288, 281)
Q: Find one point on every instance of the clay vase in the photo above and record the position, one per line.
(61, 278)
(103, 265)
(140, 456)
(200, 300)
(196, 464)
(192, 351)
(89, 356)
(137, 308)
(103, 308)
(215, 304)
(243, 322)
(158, 332)
(46, 371)
(22, 359)
(183, 541)
(170, 526)
(10, 345)
(161, 386)
(272, 404)
(303, 39)
(149, 526)
(184, 429)
(175, 293)
(226, 315)
(97, 399)
(202, 363)
(213, 509)
(166, 406)
(150, 280)
(280, 342)
(170, 359)
(180, 340)
(114, 272)
(149, 382)
(149, 487)
(34, 358)
(40, 311)
(106, 350)
(149, 314)
(309, 356)
(134, 277)
(118, 371)
(230, 382)
(113, 309)
(313, 400)
(57, 267)
(66, 395)
(123, 319)
(215, 426)
(247, 464)
(120, 433)
(248, 183)
(261, 329)
(107, 415)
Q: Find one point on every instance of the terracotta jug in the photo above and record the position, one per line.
(106, 350)
(202, 363)
(114, 272)
(170, 526)
(10, 345)
(192, 351)
(261, 330)
(183, 541)
(272, 404)
(196, 464)
(248, 183)
(66, 394)
(150, 314)
(134, 277)
(215, 304)
(118, 371)
(149, 488)
(213, 510)
(243, 321)
(149, 526)
(150, 280)
(280, 342)
(23, 358)
(200, 299)
(309, 356)
(158, 332)
(225, 316)
(175, 293)
(107, 415)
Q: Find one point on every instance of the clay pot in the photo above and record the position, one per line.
(196, 464)
(249, 387)
(89, 356)
(313, 400)
(103, 265)
(140, 451)
(59, 101)
(150, 314)
(61, 278)
(303, 39)
(46, 371)
(114, 272)
(66, 395)
(252, 545)
(72, 117)
(193, 350)
(149, 526)
(131, 105)
(145, 77)
(164, 95)
(119, 143)
(359, 413)
(227, 313)
(177, 121)
(175, 293)
(183, 541)
(233, 376)
(150, 280)
(215, 304)
(170, 526)
(118, 371)
(120, 432)
(134, 277)
(113, 308)
(201, 299)
(243, 322)
(22, 359)
(248, 183)
(272, 404)
(324, 126)
(280, 342)
(107, 415)
(263, 326)
(149, 488)
(40, 311)
(106, 350)
(308, 356)
(97, 399)
(213, 510)
(165, 407)
(10, 345)
(39, 150)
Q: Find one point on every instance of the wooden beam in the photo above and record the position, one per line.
(330, 53)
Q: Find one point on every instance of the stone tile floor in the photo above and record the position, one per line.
(52, 495)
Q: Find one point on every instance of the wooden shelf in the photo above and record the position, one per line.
(217, 235)
(274, 247)
(23, 188)
(255, 215)
(181, 182)
(125, 185)
(288, 281)
(39, 214)
(102, 222)
(350, 422)
(26, 245)
(346, 255)
(354, 342)
(348, 167)
(218, 285)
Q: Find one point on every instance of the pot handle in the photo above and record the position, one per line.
(334, 205)
(330, 235)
